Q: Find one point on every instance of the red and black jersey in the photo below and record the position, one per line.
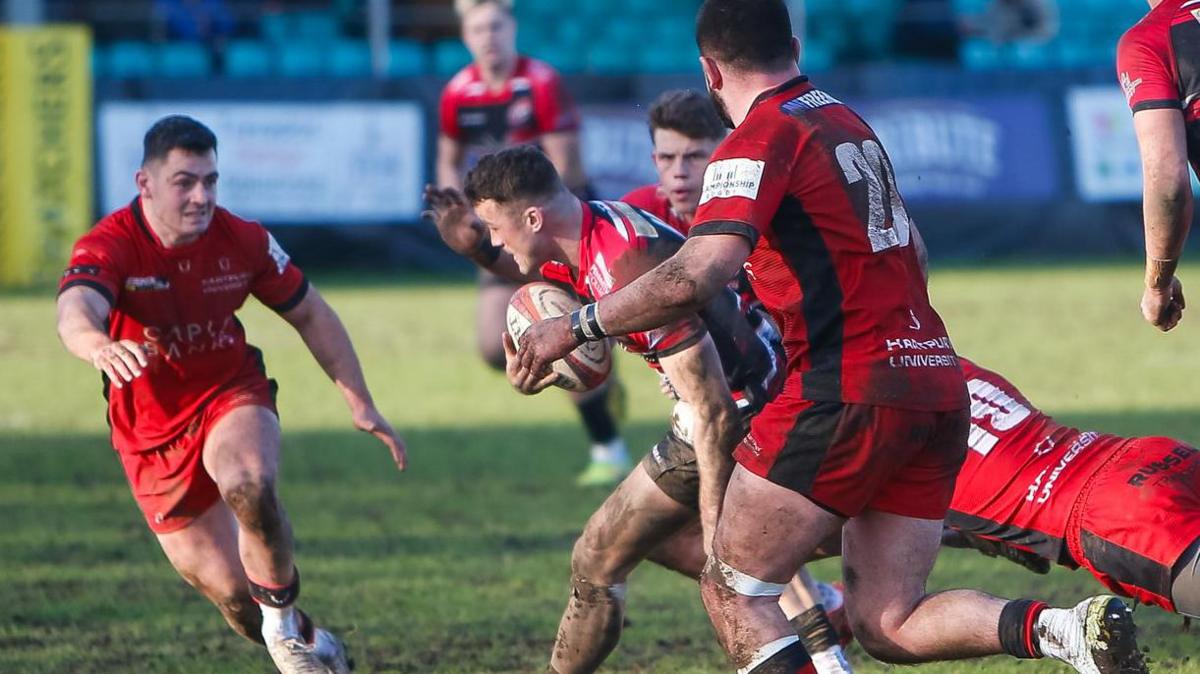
(808, 183)
(1025, 472)
(179, 303)
(617, 244)
(531, 103)
(651, 199)
(1158, 65)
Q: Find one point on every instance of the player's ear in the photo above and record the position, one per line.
(142, 180)
(712, 73)
(534, 218)
(795, 50)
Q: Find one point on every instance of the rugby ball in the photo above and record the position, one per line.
(583, 369)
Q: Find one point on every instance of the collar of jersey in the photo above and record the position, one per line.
(775, 91)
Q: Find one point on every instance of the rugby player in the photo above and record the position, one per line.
(543, 231)
(499, 100)
(149, 299)
(1156, 62)
(871, 426)
(1125, 509)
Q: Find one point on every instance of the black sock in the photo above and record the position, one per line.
(814, 629)
(1017, 634)
(597, 418)
(277, 597)
(791, 660)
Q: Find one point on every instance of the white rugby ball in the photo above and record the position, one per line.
(583, 369)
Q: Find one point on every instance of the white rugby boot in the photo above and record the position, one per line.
(297, 647)
(1097, 636)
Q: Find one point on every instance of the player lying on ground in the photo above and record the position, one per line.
(149, 299)
(499, 100)
(594, 247)
(871, 427)
(1125, 509)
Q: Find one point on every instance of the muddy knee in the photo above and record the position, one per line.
(255, 505)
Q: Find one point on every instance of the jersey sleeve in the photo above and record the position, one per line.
(1145, 74)
(744, 185)
(553, 108)
(278, 282)
(448, 113)
(97, 262)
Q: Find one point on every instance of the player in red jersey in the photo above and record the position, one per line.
(1125, 509)
(685, 130)
(1157, 62)
(871, 426)
(500, 100)
(149, 299)
(546, 232)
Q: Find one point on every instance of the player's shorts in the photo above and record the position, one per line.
(849, 457)
(671, 464)
(1135, 520)
(169, 482)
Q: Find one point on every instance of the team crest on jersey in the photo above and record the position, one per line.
(277, 253)
(1130, 86)
(520, 112)
(728, 178)
(146, 283)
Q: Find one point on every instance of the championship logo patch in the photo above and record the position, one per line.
(277, 253)
(145, 283)
(732, 178)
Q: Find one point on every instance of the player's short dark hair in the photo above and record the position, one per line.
(517, 174)
(177, 132)
(746, 34)
(688, 112)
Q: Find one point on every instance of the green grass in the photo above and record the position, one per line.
(461, 564)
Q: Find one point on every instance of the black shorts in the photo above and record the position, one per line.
(672, 465)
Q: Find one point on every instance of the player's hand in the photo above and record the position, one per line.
(524, 382)
(455, 220)
(121, 361)
(1163, 307)
(369, 420)
(543, 343)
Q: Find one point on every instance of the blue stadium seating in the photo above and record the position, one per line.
(183, 59)
(128, 60)
(302, 58)
(407, 58)
(248, 58)
(449, 56)
(348, 58)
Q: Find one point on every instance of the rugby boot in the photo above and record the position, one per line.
(1097, 636)
(297, 647)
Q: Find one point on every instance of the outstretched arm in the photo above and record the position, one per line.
(681, 285)
(1167, 209)
(464, 234)
(82, 313)
(698, 378)
(330, 345)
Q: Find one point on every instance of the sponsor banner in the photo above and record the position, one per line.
(972, 148)
(45, 148)
(1107, 164)
(616, 147)
(287, 163)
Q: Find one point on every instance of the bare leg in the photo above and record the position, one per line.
(490, 310)
(636, 518)
(682, 553)
(242, 456)
(205, 553)
(886, 560)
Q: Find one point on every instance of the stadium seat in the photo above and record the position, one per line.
(818, 57)
(407, 58)
(316, 25)
(1032, 55)
(565, 57)
(184, 59)
(129, 60)
(449, 56)
(977, 54)
(248, 58)
(302, 58)
(606, 58)
(348, 58)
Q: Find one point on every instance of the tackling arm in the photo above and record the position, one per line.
(699, 379)
(449, 165)
(464, 234)
(329, 343)
(1167, 209)
(82, 313)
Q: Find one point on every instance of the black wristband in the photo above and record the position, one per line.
(577, 327)
(589, 324)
